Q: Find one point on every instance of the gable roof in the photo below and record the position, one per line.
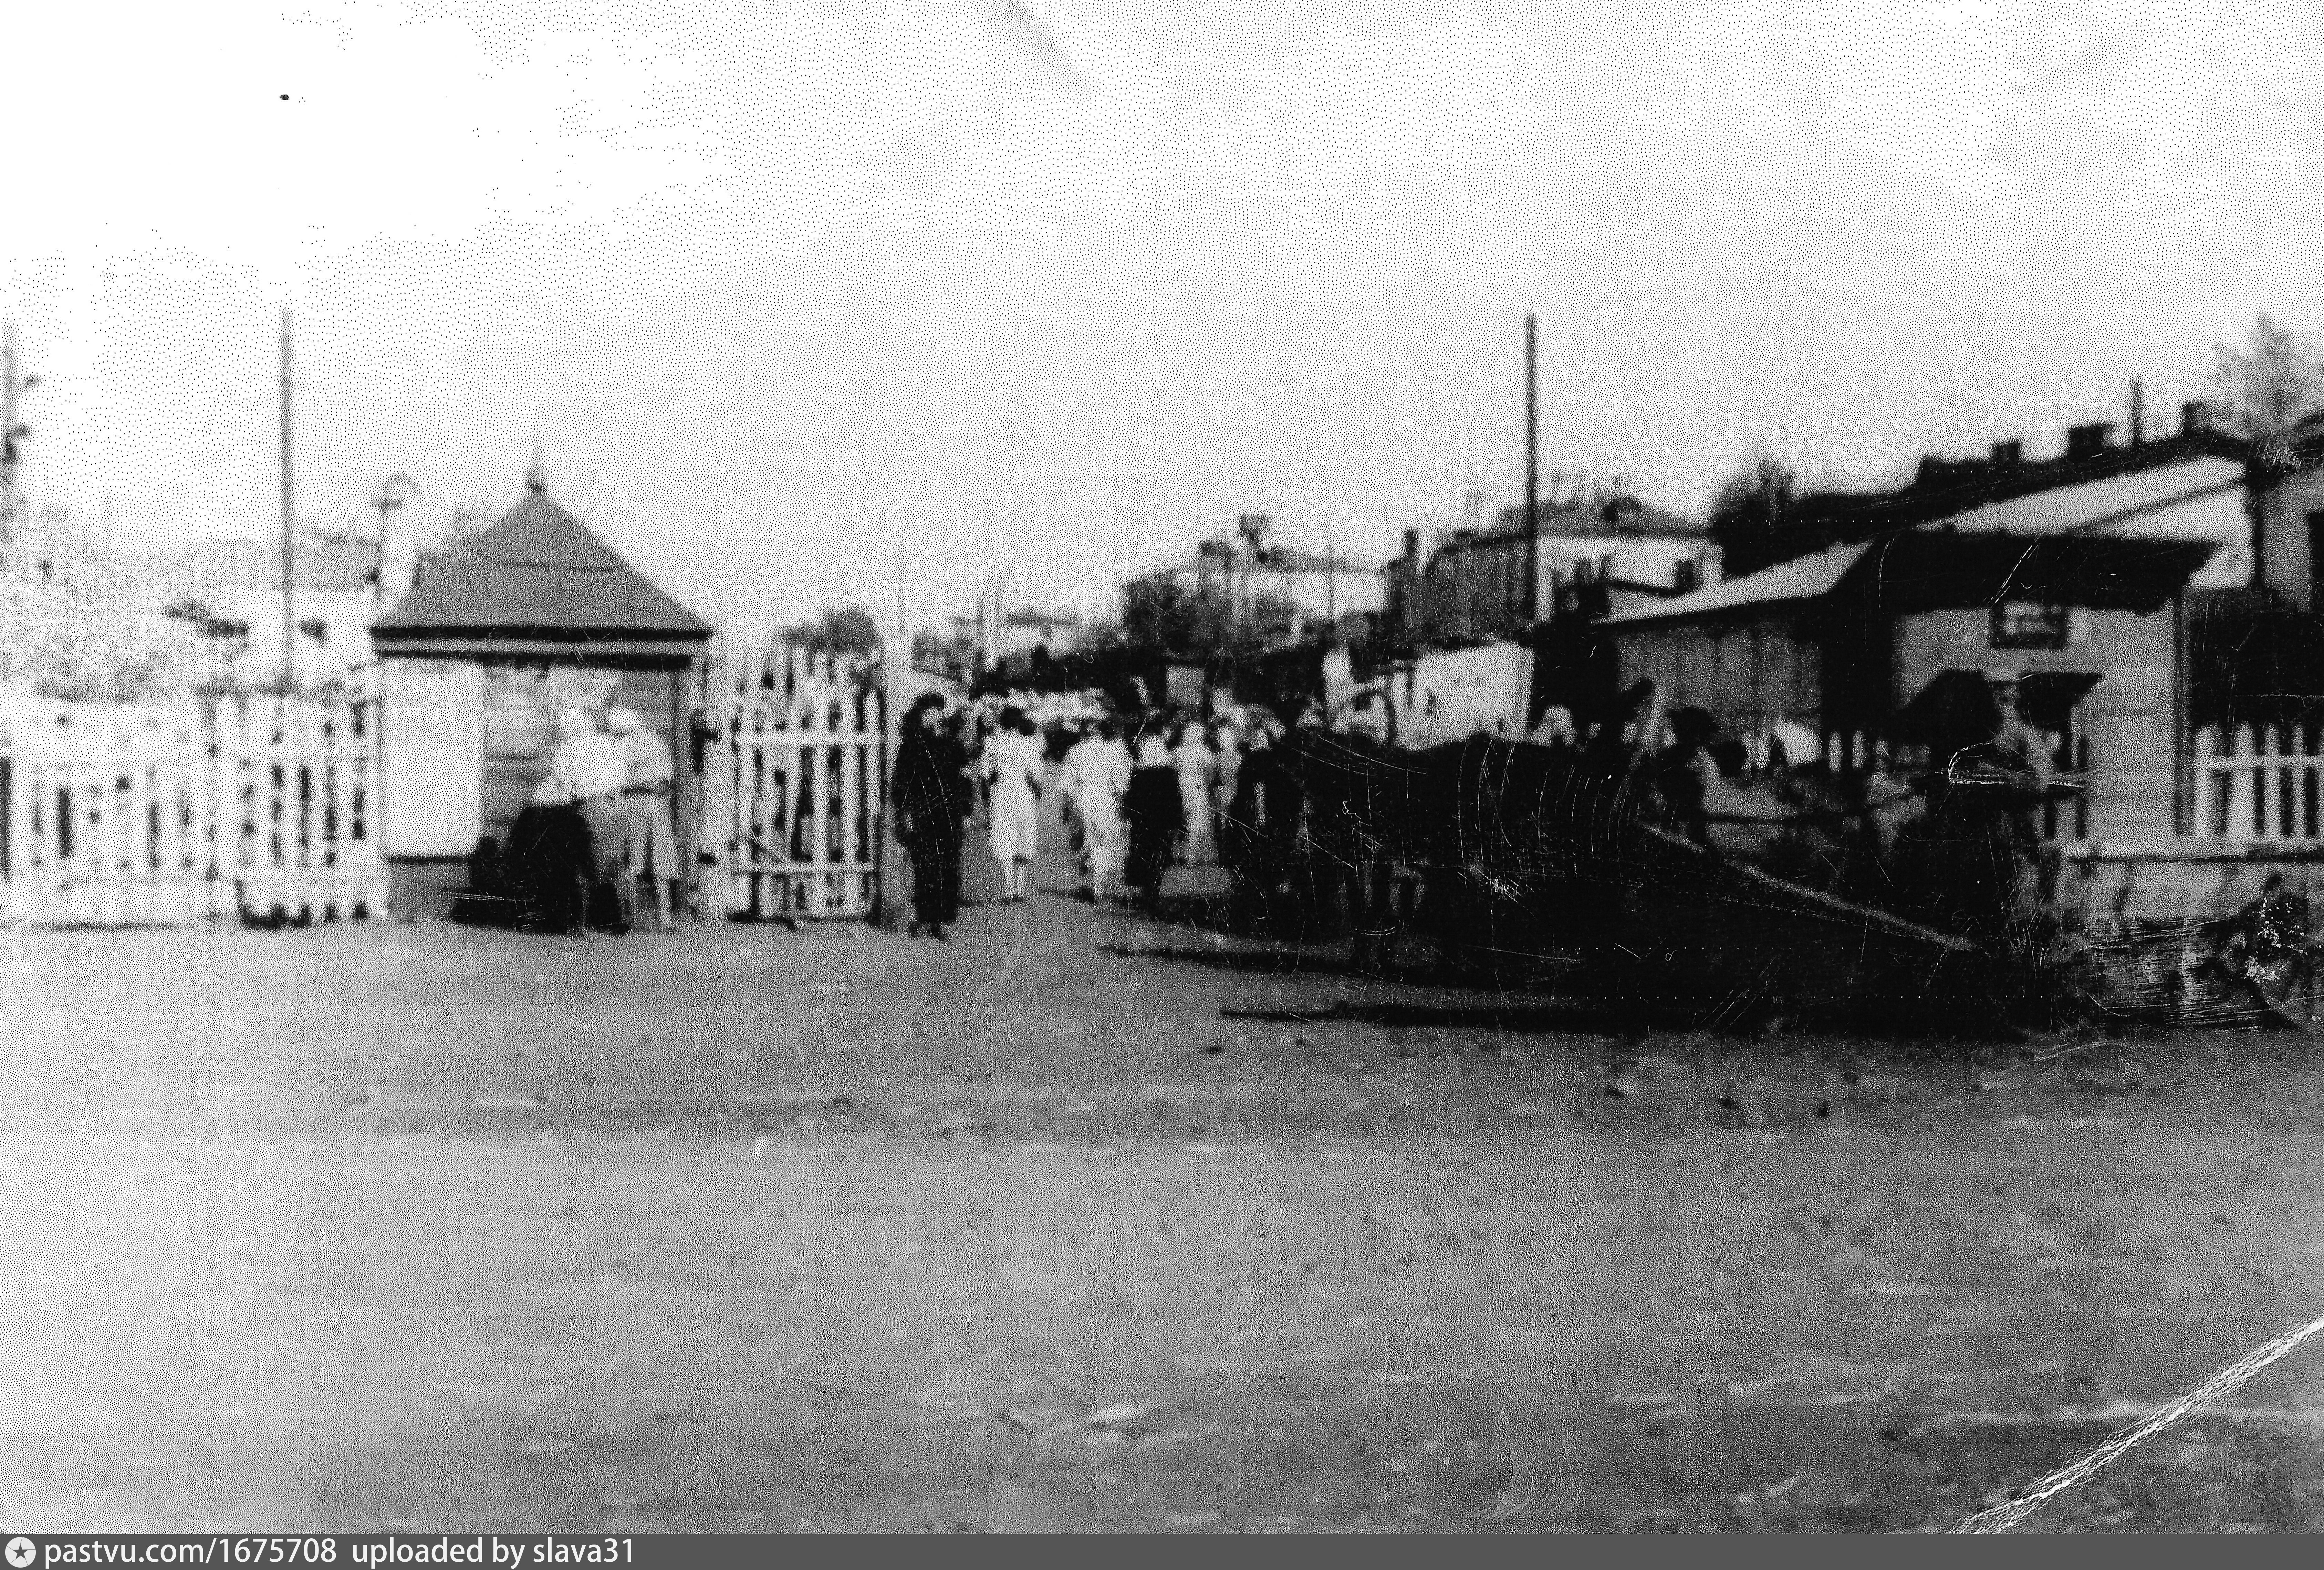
(536, 571)
(1946, 488)
(2144, 503)
(1804, 577)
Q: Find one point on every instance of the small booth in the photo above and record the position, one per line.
(496, 633)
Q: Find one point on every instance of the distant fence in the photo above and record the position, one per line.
(2065, 815)
(2257, 785)
(793, 774)
(134, 814)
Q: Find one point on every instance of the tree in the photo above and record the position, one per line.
(71, 629)
(1750, 517)
(2269, 384)
(1156, 615)
(847, 630)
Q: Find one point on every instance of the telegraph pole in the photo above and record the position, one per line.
(290, 563)
(1529, 598)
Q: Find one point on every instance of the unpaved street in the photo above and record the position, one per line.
(425, 1227)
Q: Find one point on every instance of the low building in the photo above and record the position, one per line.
(1281, 589)
(229, 591)
(2090, 590)
(1472, 586)
(495, 632)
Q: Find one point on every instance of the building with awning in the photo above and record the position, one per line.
(496, 633)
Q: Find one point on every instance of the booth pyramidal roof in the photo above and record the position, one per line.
(538, 571)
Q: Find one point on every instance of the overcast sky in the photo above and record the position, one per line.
(803, 300)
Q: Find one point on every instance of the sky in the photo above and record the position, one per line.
(819, 303)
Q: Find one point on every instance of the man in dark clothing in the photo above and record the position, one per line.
(926, 794)
(1261, 834)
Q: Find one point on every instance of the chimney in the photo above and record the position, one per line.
(1412, 546)
(2008, 455)
(2088, 440)
(2194, 417)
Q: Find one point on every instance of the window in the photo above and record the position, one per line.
(2316, 561)
(315, 627)
(2019, 624)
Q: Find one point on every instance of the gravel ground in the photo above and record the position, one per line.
(1086, 1223)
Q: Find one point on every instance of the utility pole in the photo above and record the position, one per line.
(2137, 412)
(290, 552)
(1529, 596)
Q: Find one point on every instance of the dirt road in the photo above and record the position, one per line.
(426, 1227)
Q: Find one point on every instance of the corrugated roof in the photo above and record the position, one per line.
(1804, 577)
(538, 569)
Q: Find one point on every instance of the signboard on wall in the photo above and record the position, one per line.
(432, 723)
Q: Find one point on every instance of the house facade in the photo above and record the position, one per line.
(1308, 590)
(1472, 585)
(229, 592)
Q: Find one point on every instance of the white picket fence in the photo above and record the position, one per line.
(138, 814)
(794, 773)
(2258, 785)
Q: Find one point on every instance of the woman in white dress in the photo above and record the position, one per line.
(1198, 771)
(1226, 746)
(1012, 775)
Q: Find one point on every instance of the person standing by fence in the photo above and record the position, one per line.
(649, 776)
(587, 774)
(1012, 775)
(926, 792)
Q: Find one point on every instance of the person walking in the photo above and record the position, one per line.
(1012, 775)
(648, 780)
(924, 791)
(1096, 779)
(1154, 808)
(1198, 771)
(587, 774)
(1264, 829)
(1227, 749)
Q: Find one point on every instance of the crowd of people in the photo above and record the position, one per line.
(1140, 796)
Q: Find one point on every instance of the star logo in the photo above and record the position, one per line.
(20, 1553)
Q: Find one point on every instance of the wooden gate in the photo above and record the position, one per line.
(794, 760)
(137, 813)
